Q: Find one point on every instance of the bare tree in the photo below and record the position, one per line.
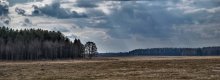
(90, 49)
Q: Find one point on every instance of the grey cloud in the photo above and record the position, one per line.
(140, 19)
(5, 20)
(20, 11)
(152, 20)
(4, 8)
(86, 4)
(140, 23)
(55, 10)
(61, 29)
(206, 3)
(199, 31)
(4, 11)
(13, 2)
(198, 35)
(27, 22)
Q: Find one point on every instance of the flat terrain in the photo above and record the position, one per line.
(116, 68)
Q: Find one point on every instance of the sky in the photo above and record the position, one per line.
(120, 25)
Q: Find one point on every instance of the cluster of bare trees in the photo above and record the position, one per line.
(38, 44)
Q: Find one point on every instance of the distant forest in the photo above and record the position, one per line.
(31, 44)
(206, 51)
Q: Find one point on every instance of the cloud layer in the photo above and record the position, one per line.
(123, 24)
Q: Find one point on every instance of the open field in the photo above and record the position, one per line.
(116, 68)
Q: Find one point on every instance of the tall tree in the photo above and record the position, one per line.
(90, 49)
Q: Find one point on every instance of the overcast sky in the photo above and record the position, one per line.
(121, 25)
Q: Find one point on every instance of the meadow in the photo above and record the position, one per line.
(115, 68)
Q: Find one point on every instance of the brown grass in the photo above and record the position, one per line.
(133, 68)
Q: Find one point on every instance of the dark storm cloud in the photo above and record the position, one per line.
(55, 10)
(13, 2)
(166, 23)
(4, 8)
(137, 23)
(152, 19)
(86, 4)
(139, 19)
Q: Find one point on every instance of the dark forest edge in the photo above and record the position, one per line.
(38, 44)
(205, 51)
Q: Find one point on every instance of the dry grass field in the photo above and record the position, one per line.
(117, 68)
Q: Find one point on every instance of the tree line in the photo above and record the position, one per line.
(31, 44)
(205, 51)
